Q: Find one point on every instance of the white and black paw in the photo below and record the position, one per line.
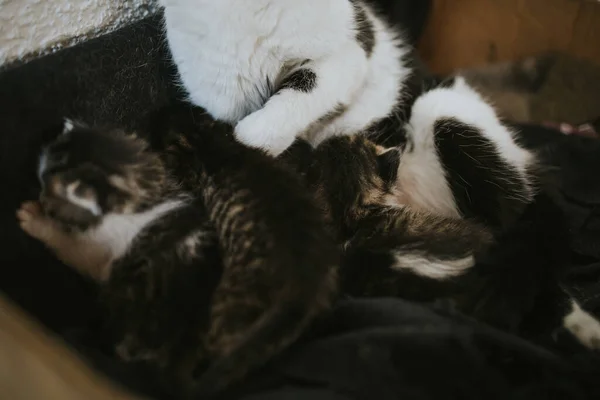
(259, 132)
(583, 326)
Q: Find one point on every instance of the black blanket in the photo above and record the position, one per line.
(368, 349)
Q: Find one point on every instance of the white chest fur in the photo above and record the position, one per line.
(117, 231)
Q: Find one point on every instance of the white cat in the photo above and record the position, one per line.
(280, 69)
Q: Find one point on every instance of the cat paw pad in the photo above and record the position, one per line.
(31, 218)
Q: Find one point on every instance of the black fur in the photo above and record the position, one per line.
(484, 185)
(345, 174)
(292, 261)
(303, 80)
(365, 31)
(88, 159)
(260, 267)
(506, 287)
(510, 287)
(354, 181)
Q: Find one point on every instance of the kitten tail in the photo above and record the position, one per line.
(277, 329)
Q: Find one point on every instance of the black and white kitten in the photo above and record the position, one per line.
(456, 211)
(280, 69)
(222, 270)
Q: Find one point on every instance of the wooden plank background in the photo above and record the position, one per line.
(467, 33)
(35, 365)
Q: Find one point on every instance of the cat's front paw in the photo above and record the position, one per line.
(584, 326)
(257, 132)
(32, 219)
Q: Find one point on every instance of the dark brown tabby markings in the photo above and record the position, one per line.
(232, 270)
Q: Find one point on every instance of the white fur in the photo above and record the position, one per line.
(385, 78)
(228, 51)
(421, 176)
(432, 268)
(69, 192)
(68, 126)
(116, 232)
(87, 204)
(584, 326)
(422, 179)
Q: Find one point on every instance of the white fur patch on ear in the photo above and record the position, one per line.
(68, 126)
(89, 204)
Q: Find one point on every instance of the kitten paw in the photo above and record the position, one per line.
(29, 210)
(584, 326)
(32, 219)
(256, 132)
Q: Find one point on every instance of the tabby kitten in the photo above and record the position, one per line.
(224, 276)
(286, 68)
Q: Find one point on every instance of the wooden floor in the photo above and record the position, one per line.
(34, 365)
(465, 33)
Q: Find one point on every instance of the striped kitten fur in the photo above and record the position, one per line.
(207, 277)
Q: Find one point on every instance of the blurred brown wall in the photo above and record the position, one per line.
(465, 33)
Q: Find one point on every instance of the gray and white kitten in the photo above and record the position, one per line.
(458, 210)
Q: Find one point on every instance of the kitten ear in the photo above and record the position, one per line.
(83, 196)
(461, 85)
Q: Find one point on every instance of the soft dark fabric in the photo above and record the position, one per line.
(392, 349)
(576, 162)
(368, 349)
